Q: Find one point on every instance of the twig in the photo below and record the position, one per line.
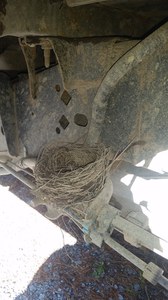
(146, 291)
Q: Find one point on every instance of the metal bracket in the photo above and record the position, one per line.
(29, 53)
(152, 273)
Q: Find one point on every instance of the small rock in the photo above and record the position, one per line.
(41, 297)
(115, 287)
(45, 269)
(136, 287)
(82, 284)
(120, 297)
(32, 288)
(165, 293)
(121, 288)
(50, 265)
(130, 271)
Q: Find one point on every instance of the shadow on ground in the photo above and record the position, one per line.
(86, 272)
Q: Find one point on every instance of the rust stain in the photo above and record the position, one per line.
(82, 86)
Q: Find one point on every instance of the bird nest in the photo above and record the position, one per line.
(71, 174)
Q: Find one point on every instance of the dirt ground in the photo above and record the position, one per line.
(84, 271)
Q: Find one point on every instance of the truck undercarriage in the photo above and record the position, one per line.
(92, 73)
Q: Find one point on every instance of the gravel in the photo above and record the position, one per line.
(37, 263)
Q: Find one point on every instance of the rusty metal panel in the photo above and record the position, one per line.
(62, 108)
(132, 100)
(54, 18)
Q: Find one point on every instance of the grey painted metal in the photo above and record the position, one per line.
(109, 219)
(4, 172)
(140, 237)
(124, 252)
(163, 282)
(17, 175)
(151, 271)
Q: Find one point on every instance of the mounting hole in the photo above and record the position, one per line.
(58, 88)
(65, 97)
(58, 130)
(64, 122)
(2, 130)
(80, 120)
